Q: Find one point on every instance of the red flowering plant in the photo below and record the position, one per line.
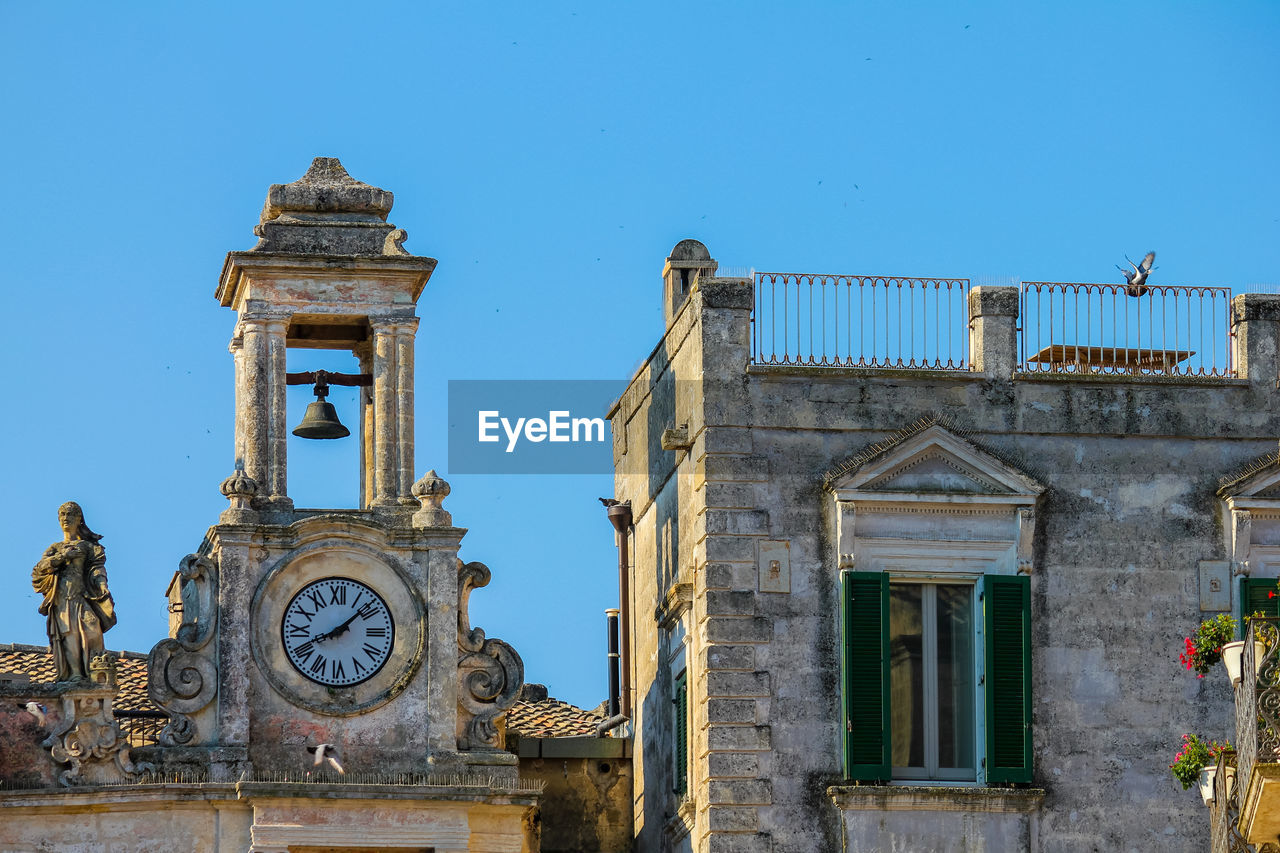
(1204, 649)
(1196, 754)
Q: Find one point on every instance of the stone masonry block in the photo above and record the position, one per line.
(739, 738)
(724, 602)
(736, 711)
(736, 293)
(732, 819)
(740, 521)
(737, 683)
(742, 469)
(733, 765)
(727, 657)
(731, 575)
(738, 549)
(753, 843)
(732, 495)
(737, 629)
(1255, 306)
(740, 792)
(727, 440)
(993, 301)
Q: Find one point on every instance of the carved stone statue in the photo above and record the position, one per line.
(72, 578)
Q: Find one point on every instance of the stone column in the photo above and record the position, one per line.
(364, 354)
(385, 421)
(261, 422)
(237, 358)
(277, 416)
(252, 399)
(1255, 322)
(404, 333)
(993, 331)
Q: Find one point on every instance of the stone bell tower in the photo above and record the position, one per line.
(329, 272)
(343, 631)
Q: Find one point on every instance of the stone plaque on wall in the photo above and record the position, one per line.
(774, 563)
(1215, 585)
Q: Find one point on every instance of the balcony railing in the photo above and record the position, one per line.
(1224, 812)
(860, 321)
(141, 728)
(1102, 328)
(1258, 726)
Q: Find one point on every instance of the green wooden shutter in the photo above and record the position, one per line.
(681, 703)
(1007, 614)
(864, 620)
(1256, 596)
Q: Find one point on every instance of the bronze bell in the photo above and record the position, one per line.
(321, 419)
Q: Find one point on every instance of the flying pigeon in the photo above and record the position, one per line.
(1137, 280)
(325, 752)
(36, 710)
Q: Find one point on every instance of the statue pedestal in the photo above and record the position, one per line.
(87, 737)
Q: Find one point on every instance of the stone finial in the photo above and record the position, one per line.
(103, 670)
(326, 191)
(327, 212)
(240, 489)
(431, 490)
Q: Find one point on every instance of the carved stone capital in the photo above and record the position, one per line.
(1026, 537)
(182, 672)
(490, 673)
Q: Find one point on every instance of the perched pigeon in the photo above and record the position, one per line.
(1137, 280)
(325, 752)
(36, 710)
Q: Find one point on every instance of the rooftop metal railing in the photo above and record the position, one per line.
(1071, 327)
(860, 321)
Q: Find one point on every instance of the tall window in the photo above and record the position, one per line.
(931, 679)
(680, 713)
(928, 668)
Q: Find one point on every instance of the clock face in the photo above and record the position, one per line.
(337, 632)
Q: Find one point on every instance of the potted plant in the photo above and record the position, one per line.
(1204, 648)
(1196, 763)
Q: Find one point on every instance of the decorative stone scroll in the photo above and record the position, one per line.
(490, 673)
(182, 675)
(88, 738)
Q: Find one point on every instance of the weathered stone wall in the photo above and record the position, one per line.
(141, 820)
(1131, 465)
(586, 804)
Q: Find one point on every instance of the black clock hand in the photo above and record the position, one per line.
(329, 635)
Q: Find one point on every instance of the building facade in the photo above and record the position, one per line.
(322, 686)
(888, 603)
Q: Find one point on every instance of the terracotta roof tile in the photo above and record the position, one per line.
(551, 718)
(36, 662)
(542, 718)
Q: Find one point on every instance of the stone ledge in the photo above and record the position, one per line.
(132, 797)
(937, 799)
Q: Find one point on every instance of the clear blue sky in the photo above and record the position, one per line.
(550, 155)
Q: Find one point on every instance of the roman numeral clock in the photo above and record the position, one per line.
(338, 628)
(337, 632)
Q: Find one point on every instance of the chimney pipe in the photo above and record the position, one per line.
(611, 623)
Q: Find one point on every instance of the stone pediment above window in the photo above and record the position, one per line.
(932, 462)
(928, 484)
(1251, 514)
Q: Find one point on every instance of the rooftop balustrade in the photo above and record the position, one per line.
(868, 321)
